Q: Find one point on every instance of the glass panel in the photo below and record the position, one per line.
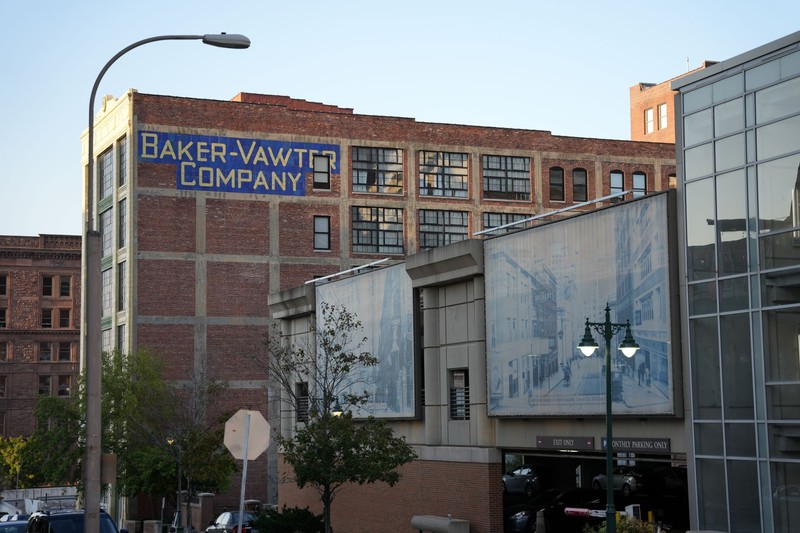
(745, 511)
(698, 127)
(778, 101)
(696, 99)
(763, 75)
(702, 298)
(699, 234)
(732, 222)
(705, 373)
(727, 88)
(777, 193)
(712, 507)
(729, 152)
(698, 161)
(779, 138)
(779, 249)
(781, 329)
(780, 288)
(708, 439)
(737, 366)
(728, 117)
(740, 440)
(790, 65)
(733, 294)
(785, 495)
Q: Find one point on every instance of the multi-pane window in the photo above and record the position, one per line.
(122, 222)
(649, 120)
(662, 116)
(377, 170)
(439, 228)
(3, 322)
(64, 383)
(121, 338)
(105, 173)
(106, 292)
(122, 286)
(617, 180)
(303, 404)
(2, 386)
(106, 228)
(3, 351)
(64, 318)
(506, 177)
(45, 385)
(495, 220)
(322, 233)
(65, 286)
(47, 318)
(122, 162)
(3, 284)
(377, 230)
(579, 185)
(47, 285)
(443, 174)
(556, 184)
(105, 340)
(65, 352)
(459, 395)
(45, 351)
(639, 184)
(322, 172)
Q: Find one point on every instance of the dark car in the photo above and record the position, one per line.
(521, 518)
(228, 522)
(527, 479)
(13, 526)
(67, 522)
(629, 479)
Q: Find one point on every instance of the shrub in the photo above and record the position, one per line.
(627, 524)
(288, 520)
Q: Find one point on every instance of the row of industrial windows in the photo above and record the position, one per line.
(52, 286)
(48, 385)
(650, 118)
(446, 174)
(109, 174)
(380, 229)
(62, 352)
(50, 318)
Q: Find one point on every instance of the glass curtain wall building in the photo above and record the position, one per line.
(738, 147)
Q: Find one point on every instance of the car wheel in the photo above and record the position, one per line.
(626, 490)
(596, 485)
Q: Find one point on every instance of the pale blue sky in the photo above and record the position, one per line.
(563, 66)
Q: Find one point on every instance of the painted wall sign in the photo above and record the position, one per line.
(232, 164)
(565, 443)
(628, 444)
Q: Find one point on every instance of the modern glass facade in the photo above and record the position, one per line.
(738, 145)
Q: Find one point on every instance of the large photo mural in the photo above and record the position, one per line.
(541, 286)
(382, 302)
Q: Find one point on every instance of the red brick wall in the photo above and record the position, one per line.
(237, 227)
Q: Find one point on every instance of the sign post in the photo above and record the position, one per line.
(246, 437)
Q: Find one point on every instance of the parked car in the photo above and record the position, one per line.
(521, 518)
(13, 526)
(527, 479)
(14, 517)
(62, 521)
(228, 522)
(632, 479)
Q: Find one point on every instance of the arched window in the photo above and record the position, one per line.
(579, 186)
(556, 184)
(639, 184)
(617, 183)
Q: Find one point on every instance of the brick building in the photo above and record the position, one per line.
(207, 207)
(40, 287)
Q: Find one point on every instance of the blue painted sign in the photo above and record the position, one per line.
(231, 164)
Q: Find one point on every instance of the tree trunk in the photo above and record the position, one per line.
(326, 508)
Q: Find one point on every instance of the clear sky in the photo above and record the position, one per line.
(564, 66)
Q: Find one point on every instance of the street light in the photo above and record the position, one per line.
(91, 299)
(628, 348)
(178, 521)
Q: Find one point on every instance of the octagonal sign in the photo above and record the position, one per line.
(237, 433)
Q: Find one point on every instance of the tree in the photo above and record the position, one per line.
(330, 451)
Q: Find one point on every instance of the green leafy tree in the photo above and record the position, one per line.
(330, 450)
(11, 450)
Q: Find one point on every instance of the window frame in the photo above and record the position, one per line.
(580, 192)
(612, 188)
(64, 318)
(379, 164)
(122, 161)
(45, 352)
(64, 347)
(649, 121)
(443, 174)
(48, 382)
(48, 284)
(663, 116)
(4, 284)
(503, 180)
(322, 172)
(47, 318)
(557, 184)
(638, 192)
(381, 231)
(443, 230)
(322, 237)
(105, 173)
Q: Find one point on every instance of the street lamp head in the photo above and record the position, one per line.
(628, 347)
(226, 40)
(587, 346)
(337, 410)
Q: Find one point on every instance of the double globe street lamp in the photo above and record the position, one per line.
(628, 347)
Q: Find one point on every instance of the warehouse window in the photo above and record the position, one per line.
(439, 228)
(662, 116)
(47, 285)
(506, 177)
(648, 120)
(106, 292)
(64, 383)
(3, 322)
(639, 184)
(122, 162)
(65, 286)
(45, 351)
(580, 187)
(495, 220)
(122, 286)
(47, 318)
(122, 222)
(443, 174)
(617, 180)
(378, 170)
(64, 318)
(322, 172)
(3, 284)
(556, 184)
(322, 233)
(65, 352)
(459, 394)
(377, 230)
(3, 351)
(106, 231)
(105, 173)
(45, 385)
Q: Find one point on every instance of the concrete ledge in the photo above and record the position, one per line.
(439, 524)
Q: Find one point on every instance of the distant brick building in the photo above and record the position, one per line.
(206, 207)
(40, 287)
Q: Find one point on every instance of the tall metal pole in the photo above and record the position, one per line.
(178, 521)
(611, 511)
(91, 303)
